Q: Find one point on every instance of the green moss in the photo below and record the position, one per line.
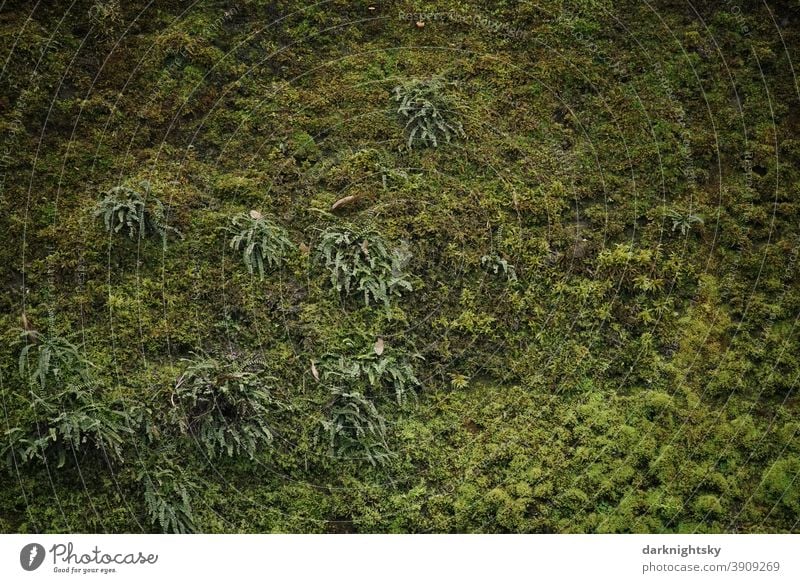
(585, 365)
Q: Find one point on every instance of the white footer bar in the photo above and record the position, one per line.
(406, 558)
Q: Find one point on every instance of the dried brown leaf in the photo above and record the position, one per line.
(343, 201)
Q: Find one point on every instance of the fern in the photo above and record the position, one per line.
(360, 262)
(226, 406)
(167, 497)
(683, 221)
(354, 428)
(429, 112)
(138, 214)
(261, 242)
(69, 421)
(372, 374)
(50, 360)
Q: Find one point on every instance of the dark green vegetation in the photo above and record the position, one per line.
(242, 291)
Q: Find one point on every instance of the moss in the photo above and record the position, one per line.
(633, 378)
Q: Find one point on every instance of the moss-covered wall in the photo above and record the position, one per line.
(638, 372)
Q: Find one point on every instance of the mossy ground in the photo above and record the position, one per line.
(633, 378)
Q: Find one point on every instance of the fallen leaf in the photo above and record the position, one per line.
(379, 346)
(255, 215)
(420, 23)
(314, 371)
(343, 201)
(304, 249)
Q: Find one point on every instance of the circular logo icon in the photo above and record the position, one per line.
(31, 556)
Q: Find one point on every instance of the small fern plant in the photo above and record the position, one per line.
(359, 262)
(49, 360)
(430, 114)
(353, 427)
(226, 405)
(73, 420)
(372, 374)
(683, 221)
(136, 213)
(168, 494)
(262, 244)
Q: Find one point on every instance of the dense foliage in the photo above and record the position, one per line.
(576, 313)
